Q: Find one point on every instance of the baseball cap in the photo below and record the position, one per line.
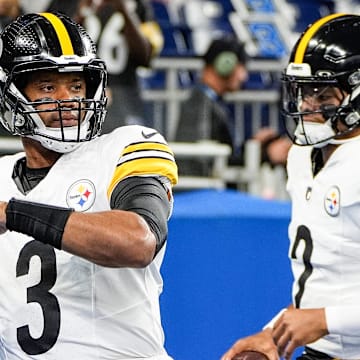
(226, 43)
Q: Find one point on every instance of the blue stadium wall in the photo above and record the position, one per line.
(226, 271)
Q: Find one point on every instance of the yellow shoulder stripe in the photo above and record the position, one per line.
(145, 159)
(61, 32)
(146, 146)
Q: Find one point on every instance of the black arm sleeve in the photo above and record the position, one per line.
(148, 197)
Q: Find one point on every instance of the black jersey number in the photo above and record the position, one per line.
(40, 293)
(303, 234)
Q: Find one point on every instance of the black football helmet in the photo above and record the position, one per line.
(50, 42)
(325, 57)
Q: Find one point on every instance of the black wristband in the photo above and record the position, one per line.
(44, 223)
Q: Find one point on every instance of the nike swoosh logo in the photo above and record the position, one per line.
(149, 135)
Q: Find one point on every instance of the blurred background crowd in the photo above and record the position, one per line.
(205, 73)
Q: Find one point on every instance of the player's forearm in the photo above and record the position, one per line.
(113, 238)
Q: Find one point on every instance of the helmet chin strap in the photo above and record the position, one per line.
(321, 134)
(51, 138)
(312, 133)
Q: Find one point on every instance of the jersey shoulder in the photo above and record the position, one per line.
(7, 161)
(142, 151)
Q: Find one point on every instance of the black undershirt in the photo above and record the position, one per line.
(316, 160)
(27, 178)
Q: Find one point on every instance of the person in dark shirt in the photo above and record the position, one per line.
(204, 115)
(127, 38)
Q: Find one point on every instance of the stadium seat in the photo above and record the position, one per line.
(309, 11)
(177, 40)
(161, 12)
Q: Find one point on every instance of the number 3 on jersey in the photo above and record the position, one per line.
(40, 294)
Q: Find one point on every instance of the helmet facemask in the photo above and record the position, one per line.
(313, 106)
(321, 84)
(50, 43)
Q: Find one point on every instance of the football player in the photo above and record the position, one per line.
(321, 99)
(83, 217)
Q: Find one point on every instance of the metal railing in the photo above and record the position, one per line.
(169, 98)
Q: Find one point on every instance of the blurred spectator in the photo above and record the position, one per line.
(274, 146)
(204, 115)
(127, 37)
(35, 6)
(9, 10)
(69, 8)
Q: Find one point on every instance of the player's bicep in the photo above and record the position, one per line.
(148, 197)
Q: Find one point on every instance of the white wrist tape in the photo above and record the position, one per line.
(272, 322)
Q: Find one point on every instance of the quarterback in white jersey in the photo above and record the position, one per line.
(83, 218)
(325, 246)
(321, 104)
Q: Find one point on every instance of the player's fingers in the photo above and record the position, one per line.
(283, 342)
(289, 350)
(277, 332)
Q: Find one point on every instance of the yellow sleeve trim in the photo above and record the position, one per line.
(145, 167)
(147, 146)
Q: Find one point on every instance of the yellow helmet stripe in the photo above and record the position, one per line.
(61, 32)
(300, 51)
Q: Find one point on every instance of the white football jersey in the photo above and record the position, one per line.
(325, 237)
(54, 305)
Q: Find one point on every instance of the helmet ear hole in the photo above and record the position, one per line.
(225, 63)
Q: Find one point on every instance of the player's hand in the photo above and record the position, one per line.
(3, 217)
(262, 341)
(298, 327)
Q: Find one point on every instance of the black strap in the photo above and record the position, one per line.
(44, 223)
